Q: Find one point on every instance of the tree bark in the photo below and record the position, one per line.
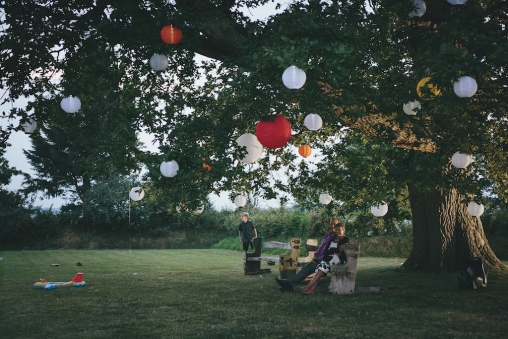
(444, 232)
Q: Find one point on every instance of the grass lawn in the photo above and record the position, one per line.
(205, 294)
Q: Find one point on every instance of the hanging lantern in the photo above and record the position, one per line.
(171, 35)
(460, 160)
(169, 169)
(240, 201)
(159, 62)
(205, 165)
(411, 106)
(325, 198)
(379, 210)
(136, 193)
(457, 2)
(474, 209)
(420, 8)
(305, 150)
(29, 126)
(254, 147)
(465, 87)
(274, 134)
(200, 209)
(293, 77)
(434, 91)
(70, 104)
(313, 122)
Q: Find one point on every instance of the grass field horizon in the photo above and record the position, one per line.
(205, 294)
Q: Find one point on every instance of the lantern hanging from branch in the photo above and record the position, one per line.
(29, 126)
(465, 87)
(420, 8)
(424, 83)
(253, 146)
(70, 104)
(304, 150)
(240, 201)
(325, 198)
(313, 122)
(379, 210)
(275, 133)
(205, 165)
(200, 209)
(169, 168)
(171, 35)
(293, 77)
(461, 160)
(474, 209)
(411, 107)
(159, 62)
(136, 193)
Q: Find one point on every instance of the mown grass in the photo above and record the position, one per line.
(204, 294)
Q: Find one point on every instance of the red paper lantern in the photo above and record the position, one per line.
(305, 150)
(274, 134)
(171, 35)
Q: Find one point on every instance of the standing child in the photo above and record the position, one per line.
(246, 231)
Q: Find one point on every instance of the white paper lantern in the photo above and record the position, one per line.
(380, 210)
(293, 77)
(240, 201)
(169, 168)
(457, 2)
(325, 198)
(200, 209)
(420, 9)
(70, 104)
(410, 107)
(465, 87)
(313, 122)
(136, 193)
(29, 126)
(475, 209)
(461, 160)
(159, 62)
(254, 147)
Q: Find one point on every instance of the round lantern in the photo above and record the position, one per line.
(313, 122)
(70, 104)
(200, 209)
(274, 134)
(475, 209)
(293, 77)
(379, 210)
(433, 89)
(465, 87)
(240, 201)
(304, 150)
(461, 160)
(29, 126)
(136, 193)
(457, 2)
(171, 35)
(169, 168)
(325, 198)
(159, 62)
(254, 147)
(411, 106)
(420, 8)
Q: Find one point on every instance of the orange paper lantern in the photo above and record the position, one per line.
(205, 165)
(171, 35)
(305, 150)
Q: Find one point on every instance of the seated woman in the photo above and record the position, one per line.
(334, 250)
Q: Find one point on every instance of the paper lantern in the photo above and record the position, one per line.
(410, 107)
(465, 87)
(461, 160)
(313, 122)
(379, 210)
(29, 126)
(275, 133)
(434, 91)
(304, 150)
(136, 193)
(159, 62)
(420, 9)
(474, 209)
(200, 209)
(240, 201)
(171, 35)
(71, 104)
(457, 2)
(254, 147)
(325, 198)
(293, 77)
(169, 168)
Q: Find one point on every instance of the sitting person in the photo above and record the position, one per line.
(334, 254)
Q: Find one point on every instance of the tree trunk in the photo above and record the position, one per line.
(444, 232)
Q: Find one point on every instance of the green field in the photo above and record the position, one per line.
(205, 294)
